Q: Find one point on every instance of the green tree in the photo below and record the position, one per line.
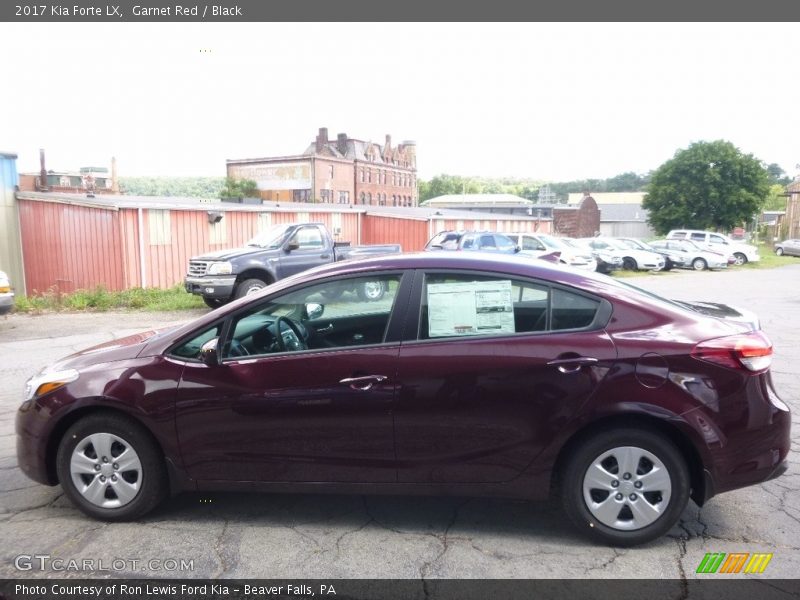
(239, 188)
(709, 185)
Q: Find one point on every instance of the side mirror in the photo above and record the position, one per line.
(314, 310)
(292, 245)
(208, 353)
(517, 248)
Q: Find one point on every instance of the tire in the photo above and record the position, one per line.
(779, 251)
(665, 501)
(213, 302)
(249, 286)
(371, 291)
(146, 480)
(629, 264)
(699, 264)
(741, 259)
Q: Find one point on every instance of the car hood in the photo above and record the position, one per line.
(724, 312)
(119, 349)
(229, 254)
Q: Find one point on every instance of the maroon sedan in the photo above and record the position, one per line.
(473, 375)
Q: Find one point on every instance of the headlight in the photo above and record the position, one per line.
(41, 384)
(220, 268)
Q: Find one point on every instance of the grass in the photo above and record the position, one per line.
(100, 299)
(770, 260)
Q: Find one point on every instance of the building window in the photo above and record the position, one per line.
(394, 178)
(369, 175)
(369, 198)
(363, 197)
(384, 198)
(301, 195)
(362, 174)
(344, 197)
(394, 199)
(330, 171)
(160, 230)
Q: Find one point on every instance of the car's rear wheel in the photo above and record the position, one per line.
(110, 467)
(699, 264)
(625, 486)
(779, 251)
(741, 259)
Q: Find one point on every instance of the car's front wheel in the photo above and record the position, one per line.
(741, 259)
(110, 467)
(371, 291)
(625, 486)
(779, 251)
(213, 302)
(699, 264)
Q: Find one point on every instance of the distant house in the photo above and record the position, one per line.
(624, 220)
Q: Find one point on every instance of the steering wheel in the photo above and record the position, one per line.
(237, 349)
(295, 340)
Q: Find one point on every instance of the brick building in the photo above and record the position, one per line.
(341, 171)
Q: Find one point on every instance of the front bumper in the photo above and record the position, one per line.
(211, 287)
(33, 427)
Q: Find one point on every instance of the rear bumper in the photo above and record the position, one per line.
(6, 302)
(211, 287)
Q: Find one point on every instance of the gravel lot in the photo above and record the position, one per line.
(311, 536)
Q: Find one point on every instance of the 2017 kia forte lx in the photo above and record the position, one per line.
(473, 375)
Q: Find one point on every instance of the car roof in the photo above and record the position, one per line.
(523, 266)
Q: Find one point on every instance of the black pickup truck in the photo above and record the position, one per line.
(280, 251)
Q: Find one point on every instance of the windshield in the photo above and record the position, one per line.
(553, 243)
(636, 244)
(271, 238)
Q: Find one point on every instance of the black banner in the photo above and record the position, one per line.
(712, 588)
(409, 10)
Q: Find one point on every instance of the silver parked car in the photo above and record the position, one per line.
(788, 248)
(694, 256)
(6, 294)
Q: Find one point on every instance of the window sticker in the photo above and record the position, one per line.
(470, 308)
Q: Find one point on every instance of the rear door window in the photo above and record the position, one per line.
(459, 305)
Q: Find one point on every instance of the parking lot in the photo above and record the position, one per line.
(318, 536)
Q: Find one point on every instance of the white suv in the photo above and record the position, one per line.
(743, 253)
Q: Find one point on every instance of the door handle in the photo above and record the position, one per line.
(572, 365)
(324, 255)
(325, 329)
(363, 383)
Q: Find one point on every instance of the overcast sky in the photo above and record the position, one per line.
(547, 101)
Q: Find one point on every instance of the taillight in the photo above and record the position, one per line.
(752, 350)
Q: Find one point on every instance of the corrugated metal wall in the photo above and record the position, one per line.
(68, 247)
(74, 246)
(411, 234)
(190, 234)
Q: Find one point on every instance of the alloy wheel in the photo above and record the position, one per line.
(106, 470)
(627, 488)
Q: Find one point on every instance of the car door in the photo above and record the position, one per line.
(296, 415)
(304, 250)
(490, 373)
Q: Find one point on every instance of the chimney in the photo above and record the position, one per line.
(43, 172)
(341, 143)
(114, 180)
(388, 141)
(322, 138)
(410, 146)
